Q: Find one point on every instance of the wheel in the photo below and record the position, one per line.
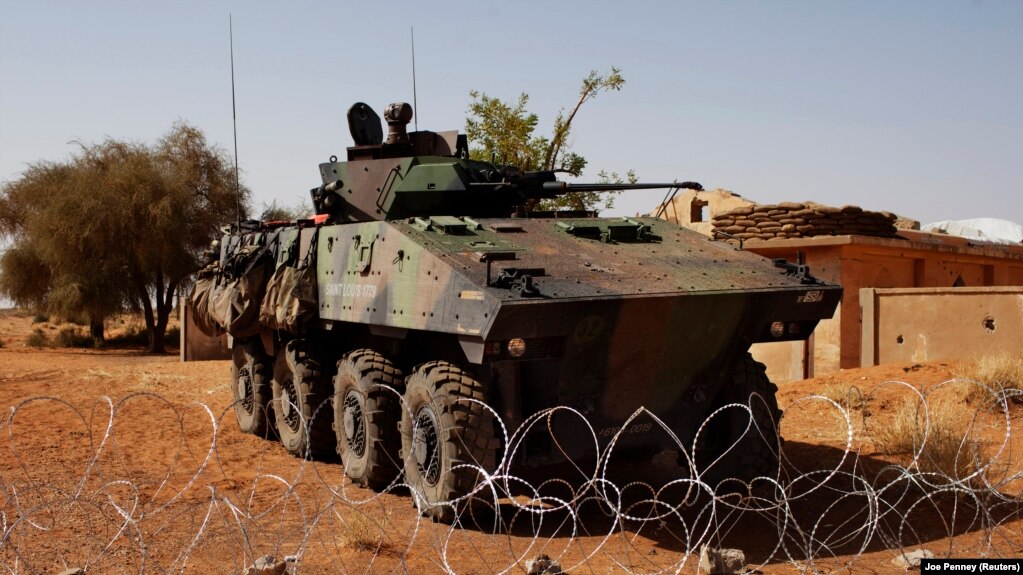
(367, 411)
(727, 447)
(250, 385)
(301, 400)
(446, 440)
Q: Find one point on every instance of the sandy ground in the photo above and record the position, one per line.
(127, 462)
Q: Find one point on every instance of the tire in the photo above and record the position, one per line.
(367, 412)
(250, 386)
(727, 447)
(445, 440)
(301, 401)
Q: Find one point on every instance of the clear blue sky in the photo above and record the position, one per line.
(910, 106)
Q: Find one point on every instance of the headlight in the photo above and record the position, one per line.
(778, 329)
(516, 347)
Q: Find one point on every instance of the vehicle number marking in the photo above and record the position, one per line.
(811, 297)
(368, 291)
(634, 428)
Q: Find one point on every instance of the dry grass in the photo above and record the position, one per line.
(939, 437)
(848, 396)
(359, 532)
(998, 374)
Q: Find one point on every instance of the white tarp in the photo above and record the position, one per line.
(982, 229)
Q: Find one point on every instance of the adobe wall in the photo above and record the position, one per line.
(915, 260)
(931, 324)
(784, 360)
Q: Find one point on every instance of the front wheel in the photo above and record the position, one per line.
(448, 438)
(734, 446)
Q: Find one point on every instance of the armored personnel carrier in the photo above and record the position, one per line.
(428, 305)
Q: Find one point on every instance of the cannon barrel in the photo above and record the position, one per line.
(543, 185)
(567, 187)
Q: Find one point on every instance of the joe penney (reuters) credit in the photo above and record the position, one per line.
(955, 566)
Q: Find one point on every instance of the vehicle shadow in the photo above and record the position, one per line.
(828, 503)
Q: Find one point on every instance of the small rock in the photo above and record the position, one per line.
(722, 561)
(542, 565)
(73, 571)
(912, 559)
(267, 565)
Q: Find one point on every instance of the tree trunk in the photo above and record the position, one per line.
(156, 336)
(164, 307)
(96, 329)
(156, 318)
(142, 292)
(159, 326)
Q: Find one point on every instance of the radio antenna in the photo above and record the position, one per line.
(234, 120)
(415, 104)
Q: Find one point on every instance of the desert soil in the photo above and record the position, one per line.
(92, 437)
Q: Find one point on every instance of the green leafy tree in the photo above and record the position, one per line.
(505, 132)
(119, 226)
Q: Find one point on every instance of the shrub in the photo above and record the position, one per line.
(70, 336)
(40, 317)
(37, 339)
(138, 336)
(132, 336)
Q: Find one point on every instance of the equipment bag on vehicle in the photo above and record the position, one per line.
(201, 301)
(240, 289)
(291, 295)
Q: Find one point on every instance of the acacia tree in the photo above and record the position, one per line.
(506, 133)
(118, 226)
(280, 212)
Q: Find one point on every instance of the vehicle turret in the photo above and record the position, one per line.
(417, 174)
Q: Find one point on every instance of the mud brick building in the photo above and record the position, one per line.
(927, 296)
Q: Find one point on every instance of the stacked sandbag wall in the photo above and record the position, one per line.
(795, 220)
